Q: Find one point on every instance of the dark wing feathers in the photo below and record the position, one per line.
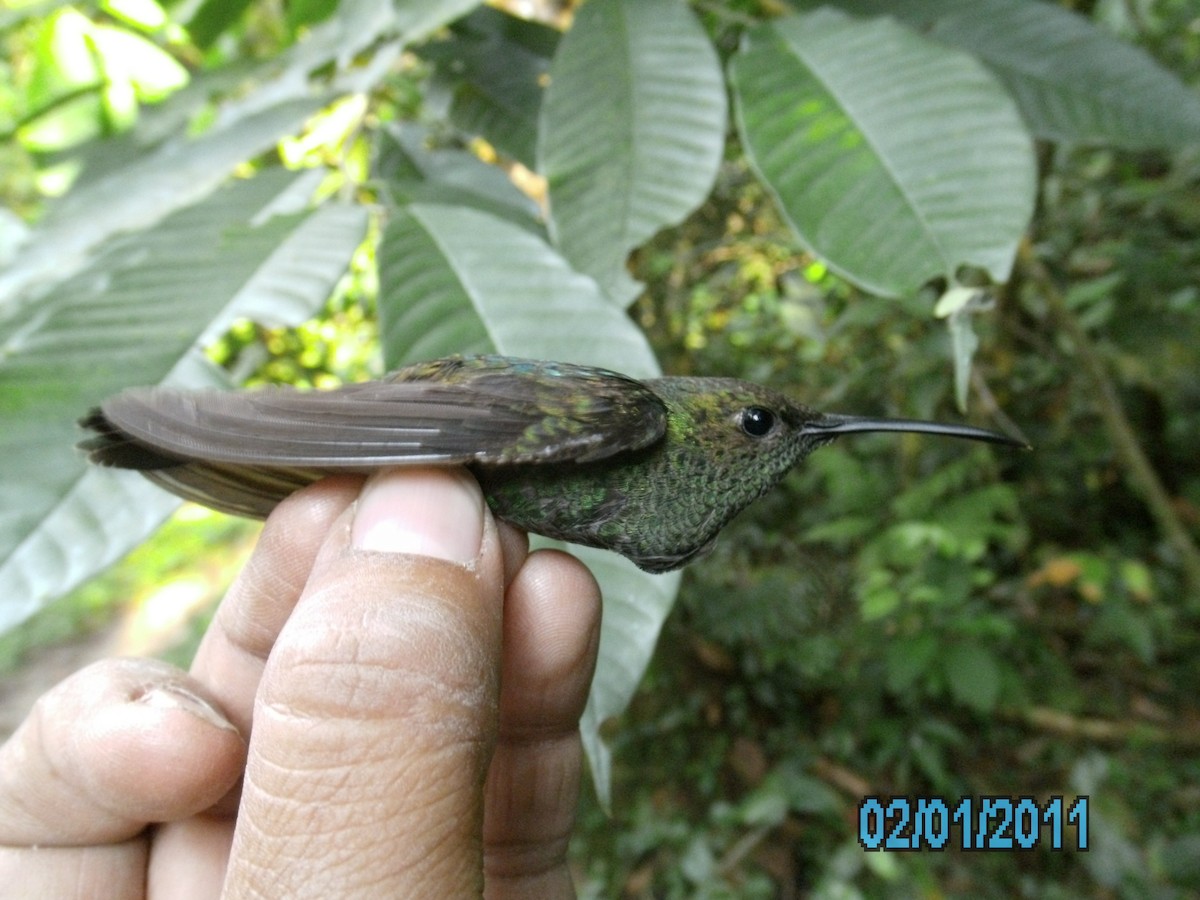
(286, 427)
(488, 410)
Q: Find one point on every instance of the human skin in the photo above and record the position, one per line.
(386, 704)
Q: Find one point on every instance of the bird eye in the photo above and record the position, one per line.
(757, 422)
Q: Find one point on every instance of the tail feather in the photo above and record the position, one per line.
(240, 490)
(109, 446)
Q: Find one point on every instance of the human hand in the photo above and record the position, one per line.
(406, 725)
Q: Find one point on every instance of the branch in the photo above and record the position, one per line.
(1140, 473)
(1101, 730)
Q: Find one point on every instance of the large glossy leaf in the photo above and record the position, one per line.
(453, 279)
(1073, 81)
(132, 316)
(493, 64)
(895, 159)
(631, 134)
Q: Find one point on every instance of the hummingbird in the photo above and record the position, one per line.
(652, 469)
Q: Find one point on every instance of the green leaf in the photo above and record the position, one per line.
(150, 71)
(144, 14)
(132, 316)
(309, 12)
(635, 606)
(877, 597)
(894, 159)
(494, 64)
(417, 18)
(136, 193)
(63, 65)
(805, 794)
(973, 675)
(454, 279)
(1073, 81)
(909, 658)
(212, 18)
(842, 530)
(416, 174)
(632, 131)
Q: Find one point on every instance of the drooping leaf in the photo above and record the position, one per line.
(895, 159)
(635, 607)
(631, 134)
(957, 306)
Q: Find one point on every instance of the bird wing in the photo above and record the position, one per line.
(488, 410)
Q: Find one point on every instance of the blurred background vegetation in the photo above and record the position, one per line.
(902, 616)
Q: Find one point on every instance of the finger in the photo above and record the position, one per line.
(514, 544)
(117, 745)
(551, 634)
(376, 714)
(231, 657)
(116, 870)
(190, 856)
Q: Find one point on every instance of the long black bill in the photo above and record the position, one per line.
(838, 425)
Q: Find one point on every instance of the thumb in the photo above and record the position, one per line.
(375, 719)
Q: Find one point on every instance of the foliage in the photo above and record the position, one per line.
(910, 617)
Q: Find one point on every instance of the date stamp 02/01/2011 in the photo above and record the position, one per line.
(995, 822)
